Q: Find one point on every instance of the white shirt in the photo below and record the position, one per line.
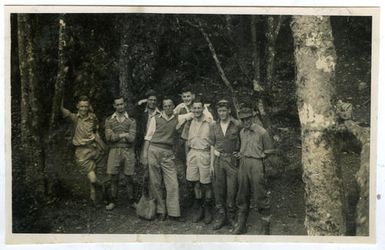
(151, 115)
(152, 125)
(224, 126)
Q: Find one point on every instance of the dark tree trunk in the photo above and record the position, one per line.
(33, 151)
(315, 59)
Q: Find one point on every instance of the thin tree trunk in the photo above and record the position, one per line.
(124, 76)
(61, 75)
(273, 27)
(33, 150)
(256, 56)
(315, 58)
(362, 177)
(220, 69)
(263, 119)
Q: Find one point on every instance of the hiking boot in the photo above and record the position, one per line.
(220, 221)
(231, 218)
(198, 211)
(177, 219)
(110, 206)
(130, 191)
(240, 225)
(208, 217)
(162, 217)
(265, 225)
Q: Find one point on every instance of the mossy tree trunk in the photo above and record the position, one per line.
(315, 58)
(32, 143)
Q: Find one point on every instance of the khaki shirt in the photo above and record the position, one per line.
(197, 133)
(84, 128)
(255, 142)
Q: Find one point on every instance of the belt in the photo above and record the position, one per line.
(225, 154)
(162, 145)
(120, 145)
(199, 149)
(250, 157)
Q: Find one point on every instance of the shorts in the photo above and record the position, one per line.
(198, 166)
(86, 157)
(121, 156)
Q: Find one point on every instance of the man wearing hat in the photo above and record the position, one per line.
(256, 146)
(224, 135)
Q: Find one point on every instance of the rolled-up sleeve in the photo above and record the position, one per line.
(151, 129)
(185, 131)
(69, 115)
(268, 146)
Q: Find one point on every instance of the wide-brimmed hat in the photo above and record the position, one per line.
(245, 113)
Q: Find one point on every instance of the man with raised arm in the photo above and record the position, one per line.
(88, 144)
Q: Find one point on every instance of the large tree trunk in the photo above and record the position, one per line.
(33, 151)
(315, 58)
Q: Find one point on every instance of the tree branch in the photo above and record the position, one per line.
(219, 67)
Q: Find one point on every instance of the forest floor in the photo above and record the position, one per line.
(71, 213)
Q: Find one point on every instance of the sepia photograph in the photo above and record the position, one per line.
(142, 122)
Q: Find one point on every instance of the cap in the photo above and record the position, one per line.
(223, 102)
(245, 113)
(150, 92)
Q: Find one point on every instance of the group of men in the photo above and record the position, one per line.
(223, 158)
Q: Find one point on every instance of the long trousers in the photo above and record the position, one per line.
(162, 169)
